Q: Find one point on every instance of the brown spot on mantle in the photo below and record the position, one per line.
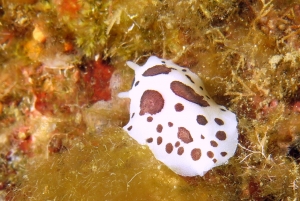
(201, 120)
(159, 128)
(180, 150)
(196, 154)
(221, 135)
(186, 92)
(169, 148)
(179, 107)
(184, 135)
(152, 102)
(156, 70)
(220, 122)
(159, 140)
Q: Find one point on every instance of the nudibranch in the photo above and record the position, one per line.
(172, 113)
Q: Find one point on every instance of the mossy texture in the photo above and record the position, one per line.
(110, 167)
(63, 62)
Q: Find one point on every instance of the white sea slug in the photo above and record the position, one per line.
(171, 112)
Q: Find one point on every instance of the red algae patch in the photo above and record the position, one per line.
(97, 79)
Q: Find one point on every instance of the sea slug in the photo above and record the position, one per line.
(172, 113)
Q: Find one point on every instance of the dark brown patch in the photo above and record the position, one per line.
(219, 121)
(179, 107)
(196, 154)
(188, 93)
(129, 128)
(159, 128)
(184, 135)
(132, 115)
(223, 109)
(177, 144)
(136, 83)
(159, 140)
(213, 143)
(149, 119)
(202, 137)
(214, 160)
(149, 140)
(188, 77)
(201, 120)
(156, 70)
(210, 154)
(207, 97)
(183, 70)
(221, 135)
(152, 102)
(201, 88)
(169, 148)
(170, 124)
(180, 150)
(223, 154)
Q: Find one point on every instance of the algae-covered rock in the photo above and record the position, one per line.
(59, 140)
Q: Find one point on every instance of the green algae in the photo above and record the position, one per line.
(110, 166)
